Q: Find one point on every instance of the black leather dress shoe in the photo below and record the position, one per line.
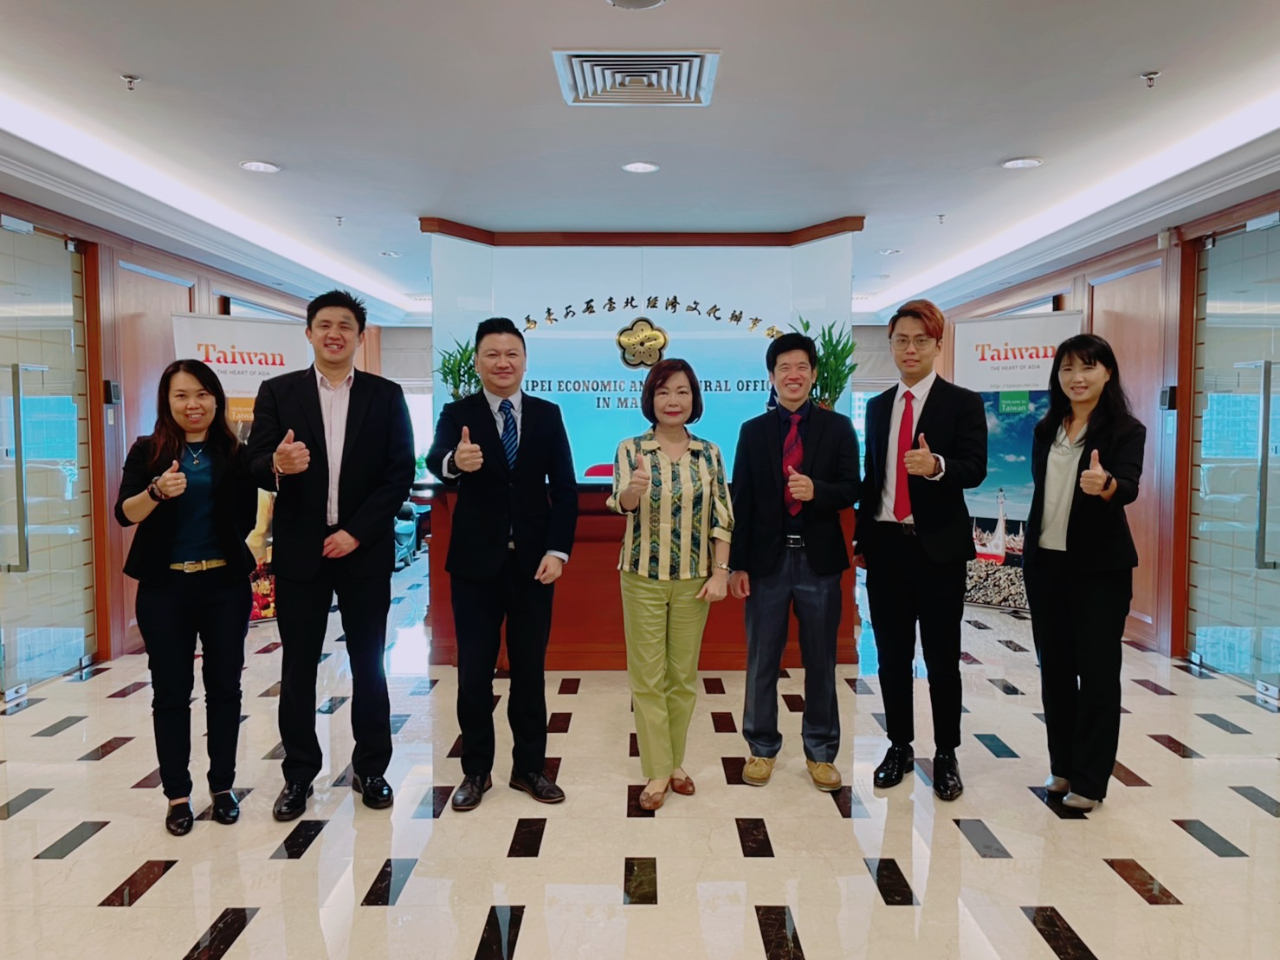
(292, 802)
(946, 777)
(471, 792)
(537, 786)
(179, 819)
(897, 763)
(375, 791)
(226, 808)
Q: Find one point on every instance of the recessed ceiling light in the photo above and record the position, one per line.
(1022, 163)
(862, 296)
(640, 166)
(889, 252)
(635, 4)
(259, 166)
(393, 254)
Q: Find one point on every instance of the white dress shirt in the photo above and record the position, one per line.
(919, 394)
(335, 401)
(1060, 481)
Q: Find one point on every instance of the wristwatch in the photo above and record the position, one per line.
(723, 566)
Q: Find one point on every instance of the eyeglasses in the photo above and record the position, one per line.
(900, 343)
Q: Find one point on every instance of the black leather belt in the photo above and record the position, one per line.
(906, 529)
(793, 540)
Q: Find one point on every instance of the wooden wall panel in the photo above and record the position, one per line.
(1128, 310)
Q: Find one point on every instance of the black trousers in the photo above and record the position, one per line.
(817, 602)
(1078, 619)
(302, 607)
(479, 608)
(172, 612)
(904, 587)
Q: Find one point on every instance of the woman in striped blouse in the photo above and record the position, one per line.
(674, 565)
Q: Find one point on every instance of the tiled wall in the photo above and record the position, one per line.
(1235, 608)
(46, 615)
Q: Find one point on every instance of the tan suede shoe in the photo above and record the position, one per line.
(758, 770)
(825, 776)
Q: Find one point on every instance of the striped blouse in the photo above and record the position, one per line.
(669, 536)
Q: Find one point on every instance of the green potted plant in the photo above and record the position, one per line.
(835, 361)
(456, 369)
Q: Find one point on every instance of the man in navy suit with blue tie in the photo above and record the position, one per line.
(517, 509)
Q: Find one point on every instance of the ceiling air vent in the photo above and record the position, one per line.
(621, 78)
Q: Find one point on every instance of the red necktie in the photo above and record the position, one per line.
(901, 493)
(792, 456)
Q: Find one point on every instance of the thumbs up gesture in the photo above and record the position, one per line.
(639, 481)
(801, 487)
(1095, 480)
(921, 462)
(291, 456)
(467, 456)
(172, 483)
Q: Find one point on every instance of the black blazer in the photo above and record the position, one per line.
(535, 504)
(954, 424)
(235, 510)
(830, 460)
(1097, 530)
(376, 472)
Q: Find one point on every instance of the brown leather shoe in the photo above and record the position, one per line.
(758, 770)
(654, 801)
(825, 776)
(683, 786)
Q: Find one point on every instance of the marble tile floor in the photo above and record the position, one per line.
(1182, 861)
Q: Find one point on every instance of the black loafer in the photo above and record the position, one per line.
(469, 795)
(292, 802)
(536, 785)
(375, 791)
(897, 763)
(947, 784)
(179, 818)
(226, 808)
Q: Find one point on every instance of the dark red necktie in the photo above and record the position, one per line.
(792, 456)
(901, 493)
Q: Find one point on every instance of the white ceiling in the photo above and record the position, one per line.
(382, 112)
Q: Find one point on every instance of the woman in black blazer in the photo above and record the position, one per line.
(188, 488)
(1078, 562)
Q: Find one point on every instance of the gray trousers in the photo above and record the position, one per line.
(816, 599)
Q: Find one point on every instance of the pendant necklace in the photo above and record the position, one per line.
(195, 455)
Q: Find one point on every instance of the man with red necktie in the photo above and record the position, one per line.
(795, 469)
(926, 444)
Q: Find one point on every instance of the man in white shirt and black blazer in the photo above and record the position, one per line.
(926, 443)
(513, 529)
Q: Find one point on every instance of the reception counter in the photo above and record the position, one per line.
(586, 627)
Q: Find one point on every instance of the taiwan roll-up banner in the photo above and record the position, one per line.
(1007, 360)
(243, 352)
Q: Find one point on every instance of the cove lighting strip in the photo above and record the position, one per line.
(61, 138)
(1256, 120)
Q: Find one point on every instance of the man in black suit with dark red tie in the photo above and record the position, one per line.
(517, 510)
(926, 444)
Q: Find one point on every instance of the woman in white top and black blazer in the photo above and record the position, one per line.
(1078, 562)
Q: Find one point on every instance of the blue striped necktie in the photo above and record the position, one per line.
(510, 438)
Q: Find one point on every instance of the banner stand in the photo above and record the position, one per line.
(1008, 360)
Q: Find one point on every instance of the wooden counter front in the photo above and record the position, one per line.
(586, 625)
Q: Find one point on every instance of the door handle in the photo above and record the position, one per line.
(1260, 560)
(20, 473)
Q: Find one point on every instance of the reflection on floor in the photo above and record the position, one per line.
(1191, 825)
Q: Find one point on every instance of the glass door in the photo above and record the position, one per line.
(46, 534)
(1234, 615)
